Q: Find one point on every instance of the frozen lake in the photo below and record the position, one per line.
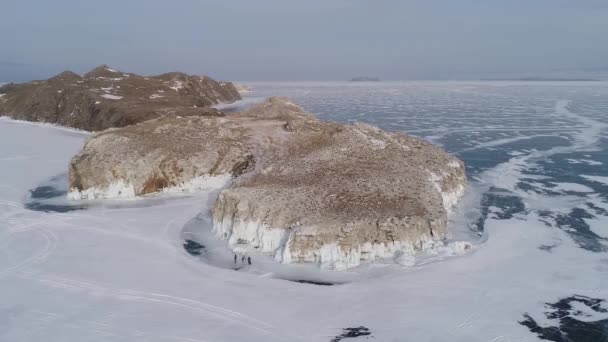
(536, 213)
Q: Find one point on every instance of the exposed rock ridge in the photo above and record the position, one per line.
(303, 190)
(105, 98)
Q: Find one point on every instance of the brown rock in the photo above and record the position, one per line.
(105, 98)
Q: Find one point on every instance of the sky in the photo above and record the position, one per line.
(257, 40)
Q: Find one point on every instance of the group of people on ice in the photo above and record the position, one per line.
(243, 259)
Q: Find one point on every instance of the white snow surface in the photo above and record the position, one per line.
(119, 273)
(598, 179)
(177, 85)
(572, 187)
(111, 97)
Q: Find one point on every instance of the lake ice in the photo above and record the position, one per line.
(536, 214)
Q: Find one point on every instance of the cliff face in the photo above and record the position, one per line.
(303, 189)
(105, 98)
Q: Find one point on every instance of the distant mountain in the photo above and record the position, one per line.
(365, 79)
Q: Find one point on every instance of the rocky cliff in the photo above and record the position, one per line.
(104, 98)
(302, 189)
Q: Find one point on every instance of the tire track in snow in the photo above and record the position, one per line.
(217, 312)
(45, 319)
(50, 246)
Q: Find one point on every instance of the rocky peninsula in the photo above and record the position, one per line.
(105, 98)
(296, 187)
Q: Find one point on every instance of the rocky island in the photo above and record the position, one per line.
(105, 98)
(296, 187)
(291, 185)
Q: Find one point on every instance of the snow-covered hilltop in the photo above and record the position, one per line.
(302, 189)
(105, 98)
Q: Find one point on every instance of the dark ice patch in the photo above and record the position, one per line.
(48, 198)
(46, 192)
(51, 196)
(547, 248)
(193, 247)
(545, 188)
(53, 208)
(352, 333)
(557, 169)
(314, 282)
(508, 204)
(560, 170)
(481, 159)
(568, 327)
(563, 163)
(477, 161)
(574, 225)
(598, 210)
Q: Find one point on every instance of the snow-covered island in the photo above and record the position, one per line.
(293, 186)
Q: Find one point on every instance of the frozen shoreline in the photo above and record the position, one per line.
(124, 190)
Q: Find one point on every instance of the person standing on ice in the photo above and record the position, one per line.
(249, 260)
(235, 258)
(243, 259)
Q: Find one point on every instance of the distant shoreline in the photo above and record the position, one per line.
(364, 79)
(541, 79)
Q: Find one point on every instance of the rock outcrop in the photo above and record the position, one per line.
(302, 189)
(105, 98)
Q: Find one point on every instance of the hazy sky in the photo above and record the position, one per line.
(304, 40)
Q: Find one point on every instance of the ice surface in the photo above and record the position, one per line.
(572, 187)
(111, 97)
(119, 272)
(599, 179)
